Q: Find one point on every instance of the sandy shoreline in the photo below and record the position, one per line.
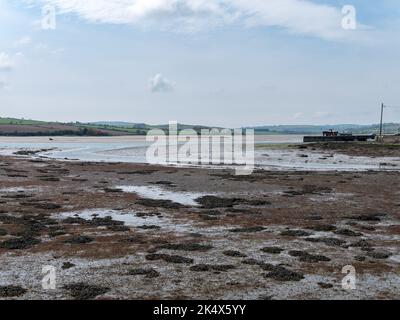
(270, 235)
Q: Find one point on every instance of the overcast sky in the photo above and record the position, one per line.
(214, 62)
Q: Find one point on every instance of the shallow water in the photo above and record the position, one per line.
(321, 161)
(133, 149)
(154, 192)
(114, 149)
(130, 219)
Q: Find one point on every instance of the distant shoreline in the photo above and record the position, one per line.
(31, 128)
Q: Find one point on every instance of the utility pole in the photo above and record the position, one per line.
(381, 125)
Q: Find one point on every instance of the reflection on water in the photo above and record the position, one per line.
(154, 192)
(120, 149)
(133, 149)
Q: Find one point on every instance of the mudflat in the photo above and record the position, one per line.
(136, 231)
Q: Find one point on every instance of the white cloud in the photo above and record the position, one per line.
(23, 41)
(298, 115)
(6, 62)
(295, 16)
(160, 84)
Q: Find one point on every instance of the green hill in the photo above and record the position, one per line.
(20, 121)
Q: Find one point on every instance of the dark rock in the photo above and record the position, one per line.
(265, 297)
(360, 258)
(177, 259)
(26, 152)
(75, 220)
(148, 214)
(242, 211)
(112, 190)
(348, 232)
(379, 254)
(149, 227)
(273, 250)
(333, 242)
(323, 227)
(149, 273)
(307, 257)
(118, 228)
(162, 182)
(187, 247)
(368, 228)
(210, 267)
(106, 221)
(295, 233)
(11, 291)
(233, 253)
(84, 291)
(17, 196)
(268, 266)
(19, 243)
(324, 285)
(211, 202)
(216, 202)
(256, 202)
(79, 240)
(208, 218)
(169, 258)
(248, 229)
(252, 262)
(282, 274)
(167, 204)
(27, 232)
(362, 244)
(67, 265)
(195, 235)
(200, 267)
(369, 217)
(51, 179)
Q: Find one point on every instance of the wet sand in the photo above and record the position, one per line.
(124, 231)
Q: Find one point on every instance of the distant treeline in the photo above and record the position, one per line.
(84, 132)
(388, 128)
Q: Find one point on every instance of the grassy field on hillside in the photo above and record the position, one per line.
(11, 121)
